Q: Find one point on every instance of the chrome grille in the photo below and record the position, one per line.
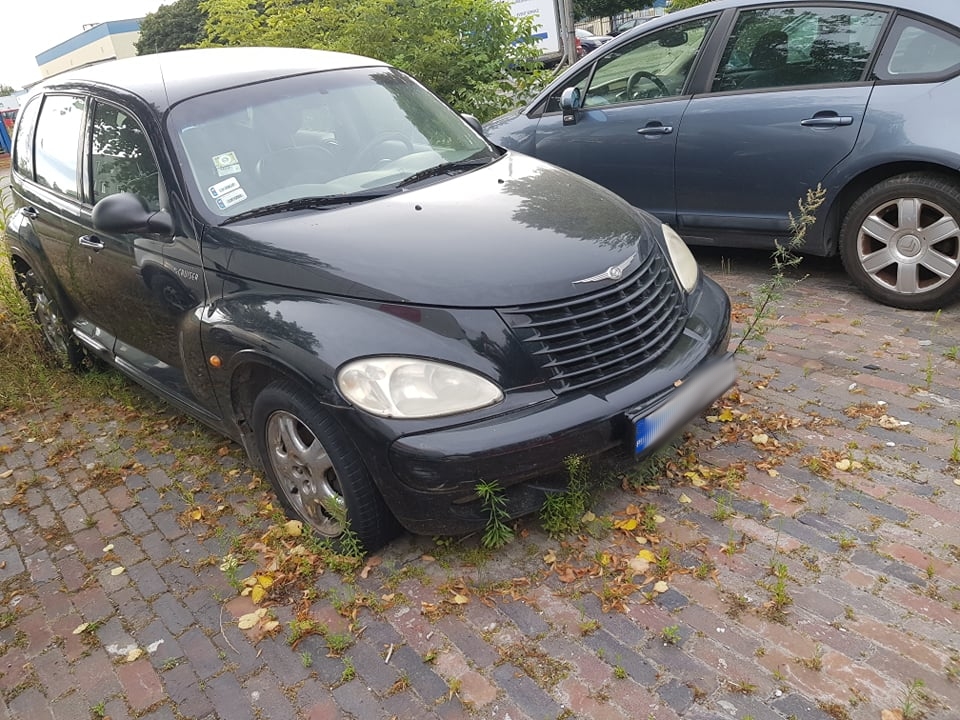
(589, 340)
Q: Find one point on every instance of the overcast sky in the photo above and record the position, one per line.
(38, 25)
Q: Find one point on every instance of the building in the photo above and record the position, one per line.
(110, 40)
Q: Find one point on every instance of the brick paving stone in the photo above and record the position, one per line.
(30, 704)
(184, 690)
(267, 698)
(141, 685)
(357, 700)
(523, 691)
(202, 654)
(93, 674)
(229, 699)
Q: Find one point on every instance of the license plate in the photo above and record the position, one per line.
(695, 394)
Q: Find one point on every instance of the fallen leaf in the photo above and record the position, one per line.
(117, 570)
(248, 621)
(459, 599)
(265, 581)
(5, 474)
(726, 415)
(629, 524)
(646, 555)
(891, 715)
(661, 587)
(293, 528)
(371, 564)
(258, 593)
(80, 628)
(658, 519)
(638, 565)
(108, 548)
(773, 473)
(550, 558)
(196, 514)
(684, 498)
(844, 464)
(271, 625)
(588, 517)
(133, 655)
(760, 439)
(956, 481)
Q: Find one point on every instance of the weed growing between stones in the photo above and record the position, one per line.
(785, 258)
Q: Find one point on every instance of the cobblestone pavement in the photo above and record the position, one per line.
(823, 583)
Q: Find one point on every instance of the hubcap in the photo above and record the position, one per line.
(909, 245)
(305, 473)
(50, 322)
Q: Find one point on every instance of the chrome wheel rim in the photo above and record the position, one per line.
(909, 245)
(51, 324)
(305, 473)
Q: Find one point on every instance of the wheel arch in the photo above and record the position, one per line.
(250, 373)
(857, 185)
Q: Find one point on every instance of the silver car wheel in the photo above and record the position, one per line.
(305, 473)
(899, 245)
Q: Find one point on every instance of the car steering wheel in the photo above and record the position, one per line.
(644, 75)
(367, 158)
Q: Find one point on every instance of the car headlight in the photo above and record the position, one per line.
(684, 264)
(412, 388)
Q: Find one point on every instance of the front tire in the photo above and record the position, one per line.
(315, 471)
(61, 343)
(900, 242)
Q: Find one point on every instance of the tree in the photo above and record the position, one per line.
(684, 4)
(6, 90)
(172, 27)
(472, 53)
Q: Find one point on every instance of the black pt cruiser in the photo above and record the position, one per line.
(314, 255)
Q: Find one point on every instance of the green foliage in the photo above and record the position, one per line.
(563, 512)
(678, 5)
(172, 27)
(497, 533)
(6, 90)
(784, 258)
(472, 53)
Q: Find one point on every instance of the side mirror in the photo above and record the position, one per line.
(472, 122)
(127, 213)
(570, 105)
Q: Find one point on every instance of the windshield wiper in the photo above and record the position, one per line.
(308, 203)
(445, 168)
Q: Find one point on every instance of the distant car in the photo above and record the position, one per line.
(589, 41)
(314, 255)
(628, 24)
(720, 118)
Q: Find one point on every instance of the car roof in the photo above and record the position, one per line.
(163, 79)
(939, 9)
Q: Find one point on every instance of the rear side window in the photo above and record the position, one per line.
(23, 138)
(806, 45)
(915, 50)
(57, 143)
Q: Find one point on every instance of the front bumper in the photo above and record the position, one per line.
(428, 479)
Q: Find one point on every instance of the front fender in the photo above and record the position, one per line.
(309, 338)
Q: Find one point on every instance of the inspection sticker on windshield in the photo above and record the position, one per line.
(223, 187)
(226, 164)
(231, 198)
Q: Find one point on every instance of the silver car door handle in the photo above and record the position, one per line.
(30, 212)
(655, 130)
(827, 121)
(91, 241)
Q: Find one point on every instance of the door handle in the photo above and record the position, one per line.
(91, 241)
(655, 129)
(827, 121)
(30, 212)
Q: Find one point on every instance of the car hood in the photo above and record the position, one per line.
(513, 232)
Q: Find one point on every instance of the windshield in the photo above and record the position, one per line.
(326, 134)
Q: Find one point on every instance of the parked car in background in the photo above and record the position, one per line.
(314, 255)
(590, 42)
(718, 119)
(629, 24)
